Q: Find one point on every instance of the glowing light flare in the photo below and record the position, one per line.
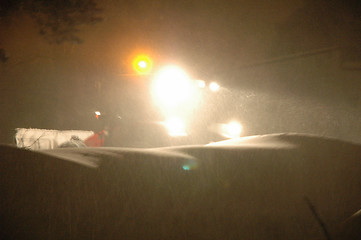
(186, 167)
(232, 129)
(201, 83)
(190, 164)
(172, 86)
(142, 64)
(214, 87)
(175, 127)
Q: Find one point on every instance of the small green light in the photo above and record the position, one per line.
(190, 164)
(186, 167)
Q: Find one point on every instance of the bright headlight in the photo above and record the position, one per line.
(232, 129)
(175, 127)
(214, 87)
(172, 87)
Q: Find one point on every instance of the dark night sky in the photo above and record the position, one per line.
(53, 86)
(203, 35)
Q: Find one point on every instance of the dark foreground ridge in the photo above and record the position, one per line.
(284, 186)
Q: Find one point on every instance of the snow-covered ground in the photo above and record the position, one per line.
(280, 186)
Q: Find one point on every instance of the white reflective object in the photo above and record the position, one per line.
(97, 113)
(232, 129)
(172, 86)
(175, 127)
(214, 86)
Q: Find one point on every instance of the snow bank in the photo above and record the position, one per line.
(244, 190)
(35, 139)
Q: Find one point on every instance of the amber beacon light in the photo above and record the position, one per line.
(142, 64)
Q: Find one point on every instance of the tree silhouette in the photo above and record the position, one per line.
(58, 20)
